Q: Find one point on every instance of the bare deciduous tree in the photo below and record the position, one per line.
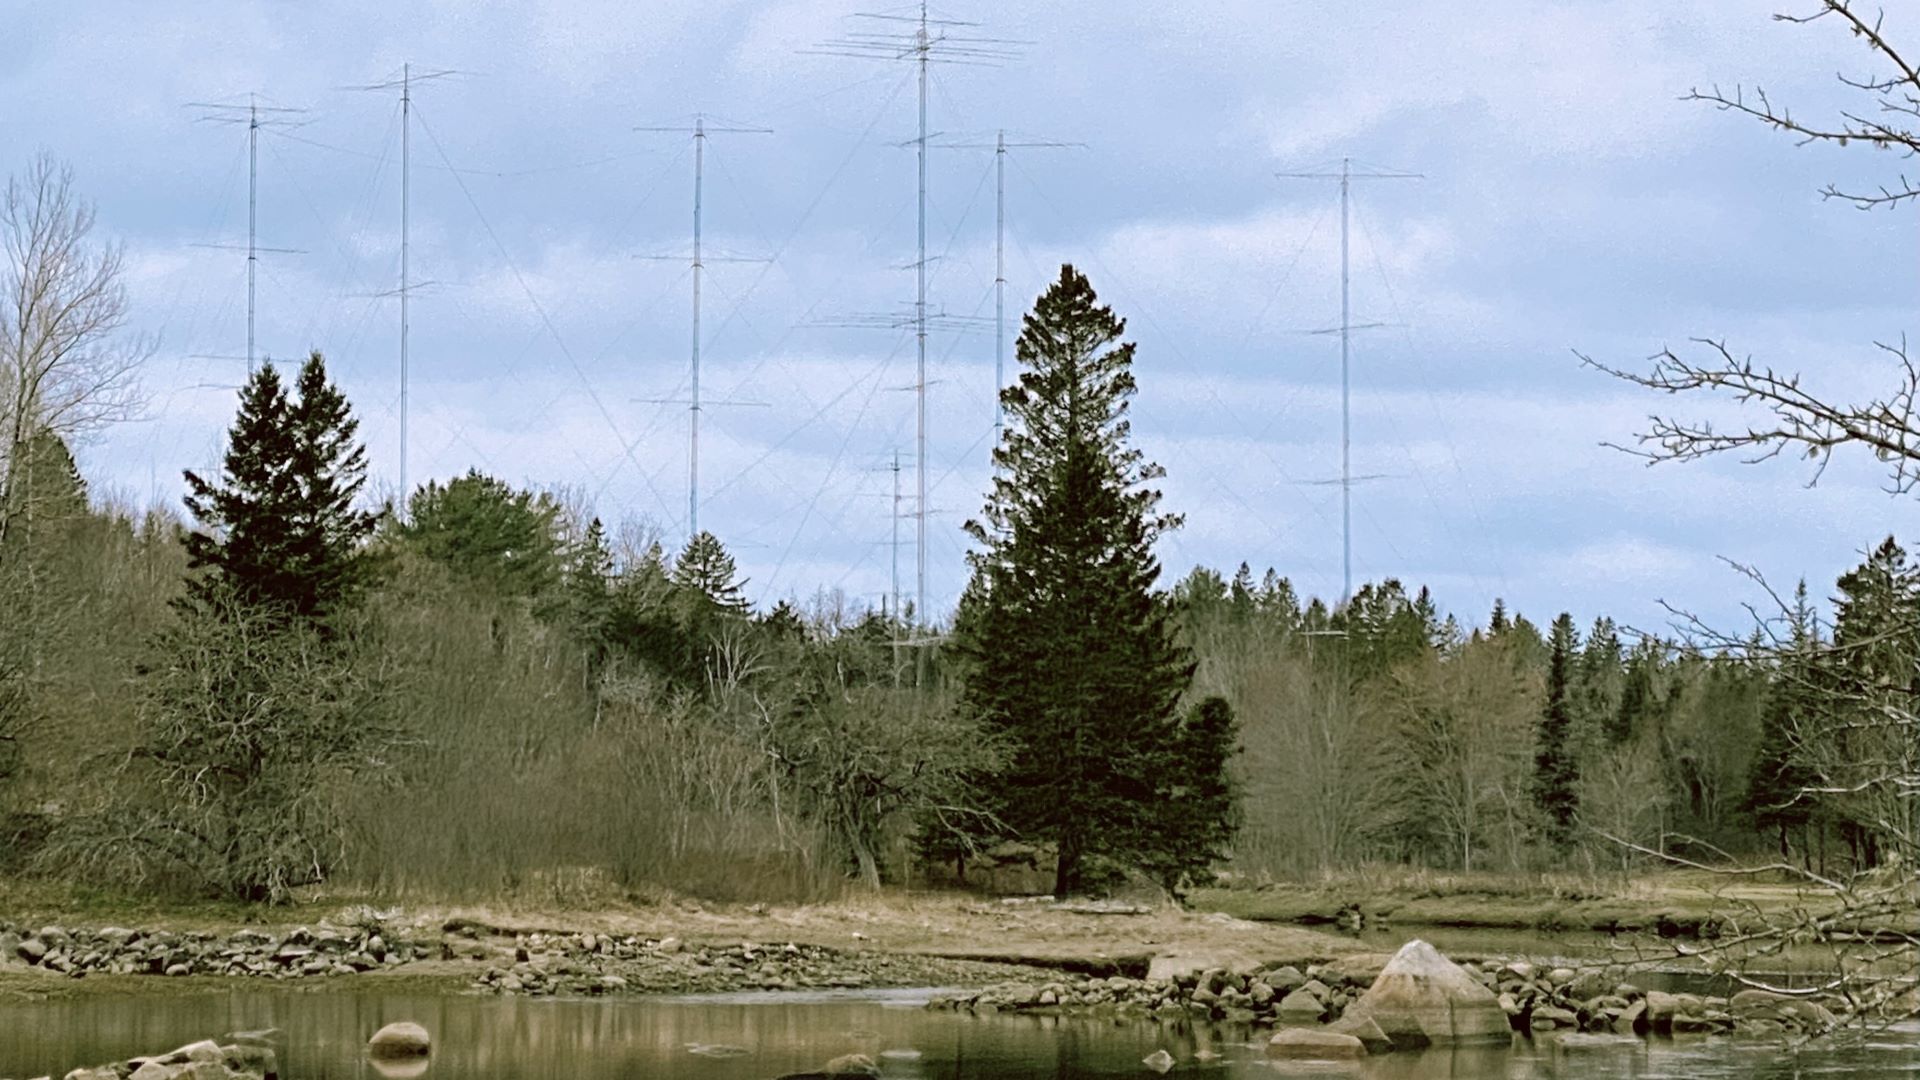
(67, 364)
(1863, 752)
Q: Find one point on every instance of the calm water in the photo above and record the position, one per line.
(517, 1039)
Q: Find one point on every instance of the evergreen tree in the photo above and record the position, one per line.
(278, 529)
(587, 599)
(1871, 674)
(1497, 622)
(1073, 661)
(48, 489)
(1201, 800)
(705, 567)
(488, 533)
(1600, 676)
(1777, 796)
(1555, 769)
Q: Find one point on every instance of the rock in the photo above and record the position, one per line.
(33, 950)
(402, 1039)
(1765, 1005)
(1191, 962)
(1576, 1043)
(1548, 1017)
(852, 1065)
(717, 1050)
(1364, 1029)
(1300, 1007)
(1285, 980)
(1295, 1043)
(153, 1070)
(1422, 997)
(1632, 1020)
(1360, 969)
(1159, 1061)
(1660, 1009)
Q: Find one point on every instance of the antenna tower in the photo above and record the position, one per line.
(404, 83)
(1000, 146)
(250, 115)
(923, 40)
(1346, 176)
(700, 132)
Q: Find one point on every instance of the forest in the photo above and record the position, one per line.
(518, 697)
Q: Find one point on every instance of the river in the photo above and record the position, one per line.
(480, 1038)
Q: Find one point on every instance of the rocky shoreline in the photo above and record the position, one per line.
(1533, 999)
(478, 958)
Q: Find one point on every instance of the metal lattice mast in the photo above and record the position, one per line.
(927, 41)
(700, 132)
(920, 340)
(256, 117)
(1346, 176)
(1000, 146)
(405, 83)
(253, 215)
(406, 169)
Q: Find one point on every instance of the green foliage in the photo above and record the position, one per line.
(1194, 830)
(1072, 660)
(488, 533)
(706, 569)
(1556, 773)
(277, 528)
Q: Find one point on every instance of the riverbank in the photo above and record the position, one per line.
(1669, 904)
(53, 948)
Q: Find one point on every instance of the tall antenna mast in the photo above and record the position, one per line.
(405, 85)
(1346, 176)
(700, 131)
(250, 115)
(930, 40)
(1000, 146)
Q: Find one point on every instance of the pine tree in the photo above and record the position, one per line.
(587, 599)
(705, 567)
(1497, 622)
(1555, 770)
(278, 530)
(487, 532)
(1777, 795)
(1871, 673)
(1599, 680)
(1073, 660)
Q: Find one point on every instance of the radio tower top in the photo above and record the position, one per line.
(916, 35)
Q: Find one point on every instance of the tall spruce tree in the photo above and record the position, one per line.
(705, 567)
(1074, 664)
(1778, 796)
(1555, 764)
(278, 530)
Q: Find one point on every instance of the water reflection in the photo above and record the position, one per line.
(499, 1039)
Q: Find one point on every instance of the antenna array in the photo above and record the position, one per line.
(250, 114)
(922, 39)
(1346, 176)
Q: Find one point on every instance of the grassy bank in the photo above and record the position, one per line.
(1679, 903)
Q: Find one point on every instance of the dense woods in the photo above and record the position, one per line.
(496, 692)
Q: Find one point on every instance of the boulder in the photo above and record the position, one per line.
(1300, 1007)
(1159, 1061)
(1320, 1045)
(1192, 962)
(852, 1065)
(1285, 980)
(1765, 1005)
(1421, 997)
(1364, 1029)
(398, 1040)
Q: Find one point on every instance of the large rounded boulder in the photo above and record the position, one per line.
(404, 1039)
(1422, 998)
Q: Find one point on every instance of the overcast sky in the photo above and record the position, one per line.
(1570, 201)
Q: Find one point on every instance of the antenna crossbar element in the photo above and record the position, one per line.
(255, 116)
(1346, 175)
(701, 130)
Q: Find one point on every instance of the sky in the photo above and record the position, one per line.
(1569, 202)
